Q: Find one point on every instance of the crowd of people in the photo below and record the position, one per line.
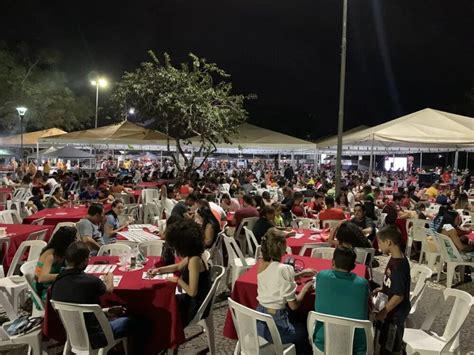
(198, 209)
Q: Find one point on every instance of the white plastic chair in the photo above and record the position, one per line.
(365, 256)
(38, 235)
(252, 242)
(451, 257)
(245, 323)
(323, 253)
(237, 261)
(312, 246)
(72, 317)
(423, 273)
(63, 224)
(330, 223)
(34, 248)
(115, 249)
(28, 271)
(33, 339)
(424, 341)
(11, 217)
(4, 247)
(248, 222)
(408, 246)
(151, 247)
(150, 195)
(426, 250)
(207, 323)
(306, 223)
(339, 333)
(217, 257)
(38, 222)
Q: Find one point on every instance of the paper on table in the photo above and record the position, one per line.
(117, 279)
(100, 268)
(145, 276)
(298, 236)
(314, 237)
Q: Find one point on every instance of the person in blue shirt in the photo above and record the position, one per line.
(341, 293)
(89, 194)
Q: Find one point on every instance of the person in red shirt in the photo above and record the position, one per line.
(248, 210)
(331, 213)
(298, 208)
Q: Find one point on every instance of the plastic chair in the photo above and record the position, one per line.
(4, 247)
(11, 217)
(237, 261)
(151, 247)
(306, 223)
(28, 271)
(365, 257)
(424, 341)
(72, 317)
(149, 195)
(451, 257)
(38, 222)
(339, 333)
(423, 273)
(408, 247)
(217, 257)
(323, 253)
(115, 249)
(252, 242)
(34, 248)
(38, 235)
(207, 323)
(63, 224)
(311, 246)
(33, 339)
(245, 322)
(330, 223)
(426, 252)
(248, 222)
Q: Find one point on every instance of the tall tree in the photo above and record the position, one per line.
(192, 100)
(27, 78)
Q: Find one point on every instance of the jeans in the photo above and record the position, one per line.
(290, 332)
(120, 327)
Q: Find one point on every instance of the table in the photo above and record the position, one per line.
(152, 184)
(309, 237)
(152, 299)
(53, 216)
(245, 290)
(17, 233)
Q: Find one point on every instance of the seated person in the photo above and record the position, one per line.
(73, 285)
(331, 213)
(51, 260)
(298, 208)
(276, 292)
(112, 224)
(56, 199)
(248, 210)
(103, 196)
(89, 194)
(318, 204)
(187, 238)
(229, 204)
(210, 225)
(89, 227)
(391, 208)
(349, 235)
(264, 223)
(342, 293)
(363, 222)
(38, 198)
(183, 208)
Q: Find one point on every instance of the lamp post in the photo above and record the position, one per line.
(102, 83)
(21, 113)
(342, 84)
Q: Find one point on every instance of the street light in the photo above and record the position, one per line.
(102, 83)
(21, 112)
(131, 111)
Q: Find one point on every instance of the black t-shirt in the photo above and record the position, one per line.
(397, 282)
(75, 286)
(260, 228)
(37, 202)
(366, 223)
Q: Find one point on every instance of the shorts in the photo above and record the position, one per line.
(391, 337)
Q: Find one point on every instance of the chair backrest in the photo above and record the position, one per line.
(151, 247)
(216, 272)
(18, 193)
(115, 249)
(364, 255)
(408, 246)
(7, 217)
(245, 322)
(4, 247)
(448, 249)
(34, 248)
(312, 246)
(28, 271)
(248, 222)
(38, 235)
(233, 251)
(330, 223)
(217, 257)
(423, 273)
(306, 223)
(381, 220)
(38, 222)
(148, 195)
(339, 333)
(323, 253)
(252, 242)
(126, 198)
(150, 211)
(63, 224)
(72, 317)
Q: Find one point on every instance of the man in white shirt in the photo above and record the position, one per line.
(51, 182)
(7, 180)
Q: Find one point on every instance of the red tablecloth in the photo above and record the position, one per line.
(309, 237)
(136, 194)
(245, 290)
(153, 299)
(152, 184)
(53, 216)
(17, 233)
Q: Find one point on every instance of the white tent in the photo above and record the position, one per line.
(69, 153)
(425, 130)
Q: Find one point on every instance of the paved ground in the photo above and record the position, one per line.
(428, 302)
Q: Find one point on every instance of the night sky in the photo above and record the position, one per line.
(403, 55)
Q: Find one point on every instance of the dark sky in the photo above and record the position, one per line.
(403, 55)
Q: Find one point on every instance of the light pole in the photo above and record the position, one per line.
(102, 83)
(21, 112)
(342, 84)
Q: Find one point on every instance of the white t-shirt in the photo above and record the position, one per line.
(276, 285)
(51, 183)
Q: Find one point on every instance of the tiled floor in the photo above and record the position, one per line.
(428, 302)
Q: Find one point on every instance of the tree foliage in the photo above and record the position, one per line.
(191, 100)
(28, 78)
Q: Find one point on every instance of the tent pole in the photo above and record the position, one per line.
(37, 153)
(467, 159)
(456, 161)
(421, 160)
(315, 168)
(371, 164)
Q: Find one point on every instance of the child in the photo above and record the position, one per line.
(396, 286)
(278, 217)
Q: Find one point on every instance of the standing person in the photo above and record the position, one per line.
(88, 227)
(276, 292)
(187, 238)
(112, 224)
(396, 286)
